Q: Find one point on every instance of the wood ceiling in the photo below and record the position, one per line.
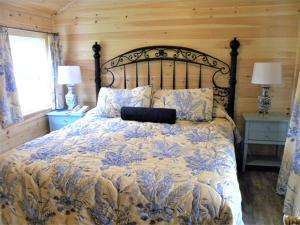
(48, 6)
(56, 6)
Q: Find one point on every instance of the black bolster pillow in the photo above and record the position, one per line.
(154, 115)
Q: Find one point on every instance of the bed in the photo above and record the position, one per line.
(110, 171)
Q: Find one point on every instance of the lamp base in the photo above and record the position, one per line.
(71, 98)
(264, 101)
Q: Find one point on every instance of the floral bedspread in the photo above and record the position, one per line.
(108, 171)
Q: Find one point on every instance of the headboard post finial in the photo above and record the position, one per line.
(234, 45)
(97, 54)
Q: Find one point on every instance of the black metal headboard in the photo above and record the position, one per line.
(173, 54)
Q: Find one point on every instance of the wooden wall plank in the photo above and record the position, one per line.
(44, 6)
(20, 17)
(23, 132)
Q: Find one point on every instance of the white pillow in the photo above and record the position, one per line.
(190, 104)
(110, 101)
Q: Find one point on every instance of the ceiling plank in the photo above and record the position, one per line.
(49, 7)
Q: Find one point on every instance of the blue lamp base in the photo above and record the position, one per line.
(264, 101)
(71, 98)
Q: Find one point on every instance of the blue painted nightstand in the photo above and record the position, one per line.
(270, 129)
(60, 118)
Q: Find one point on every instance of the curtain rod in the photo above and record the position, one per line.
(16, 28)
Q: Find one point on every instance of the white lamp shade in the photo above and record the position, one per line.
(69, 75)
(267, 73)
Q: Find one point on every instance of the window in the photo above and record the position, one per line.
(32, 71)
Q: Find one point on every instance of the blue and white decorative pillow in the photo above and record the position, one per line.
(190, 104)
(110, 101)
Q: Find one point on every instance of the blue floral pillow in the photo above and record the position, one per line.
(110, 101)
(190, 104)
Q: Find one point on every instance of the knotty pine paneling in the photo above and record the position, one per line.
(18, 134)
(45, 6)
(267, 30)
(24, 17)
(35, 126)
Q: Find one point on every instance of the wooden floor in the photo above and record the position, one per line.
(261, 205)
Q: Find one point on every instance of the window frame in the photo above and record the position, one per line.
(32, 34)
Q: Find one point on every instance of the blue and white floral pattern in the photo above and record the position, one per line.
(165, 150)
(190, 104)
(47, 154)
(289, 175)
(211, 160)
(10, 111)
(58, 101)
(196, 136)
(113, 172)
(121, 158)
(110, 101)
(71, 189)
(136, 132)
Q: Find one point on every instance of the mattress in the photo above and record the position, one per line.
(108, 171)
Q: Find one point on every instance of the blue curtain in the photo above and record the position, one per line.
(10, 111)
(289, 175)
(56, 60)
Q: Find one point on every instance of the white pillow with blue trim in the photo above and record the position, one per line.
(110, 100)
(190, 104)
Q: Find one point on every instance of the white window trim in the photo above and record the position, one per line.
(33, 34)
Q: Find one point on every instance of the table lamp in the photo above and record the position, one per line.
(69, 75)
(266, 74)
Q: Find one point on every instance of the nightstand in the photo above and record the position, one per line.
(60, 118)
(270, 129)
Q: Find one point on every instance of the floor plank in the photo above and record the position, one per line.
(261, 205)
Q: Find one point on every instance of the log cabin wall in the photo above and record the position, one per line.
(267, 30)
(34, 125)
(27, 17)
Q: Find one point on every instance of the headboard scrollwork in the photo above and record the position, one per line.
(174, 54)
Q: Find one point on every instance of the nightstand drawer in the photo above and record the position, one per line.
(278, 127)
(59, 122)
(60, 118)
(267, 136)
